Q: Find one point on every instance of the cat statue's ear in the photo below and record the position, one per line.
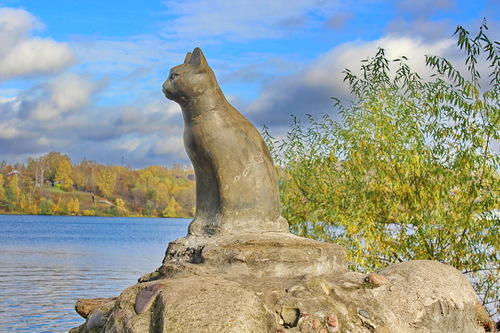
(198, 61)
(188, 57)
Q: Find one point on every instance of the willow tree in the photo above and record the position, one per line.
(411, 169)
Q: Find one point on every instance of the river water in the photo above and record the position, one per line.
(48, 262)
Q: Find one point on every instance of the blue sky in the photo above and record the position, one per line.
(84, 77)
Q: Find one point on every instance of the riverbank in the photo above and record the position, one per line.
(53, 200)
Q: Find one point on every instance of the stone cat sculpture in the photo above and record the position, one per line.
(236, 184)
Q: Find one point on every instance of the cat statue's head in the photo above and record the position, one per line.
(190, 80)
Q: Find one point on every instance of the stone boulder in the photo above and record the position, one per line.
(277, 282)
(84, 306)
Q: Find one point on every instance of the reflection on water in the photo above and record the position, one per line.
(47, 263)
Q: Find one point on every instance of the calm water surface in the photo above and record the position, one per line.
(48, 262)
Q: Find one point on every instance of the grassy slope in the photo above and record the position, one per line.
(85, 199)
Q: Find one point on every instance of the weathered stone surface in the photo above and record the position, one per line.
(255, 255)
(146, 297)
(244, 313)
(97, 317)
(376, 279)
(85, 305)
(229, 289)
(207, 304)
(430, 293)
(482, 315)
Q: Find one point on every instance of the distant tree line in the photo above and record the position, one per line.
(53, 185)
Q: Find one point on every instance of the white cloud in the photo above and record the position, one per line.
(23, 55)
(244, 19)
(43, 141)
(169, 145)
(35, 56)
(66, 93)
(15, 25)
(129, 55)
(338, 20)
(143, 131)
(8, 130)
(350, 55)
(122, 114)
(424, 8)
(130, 144)
(310, 90)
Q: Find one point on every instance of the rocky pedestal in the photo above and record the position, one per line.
(277, 282)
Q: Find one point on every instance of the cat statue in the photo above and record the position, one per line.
(236, 183)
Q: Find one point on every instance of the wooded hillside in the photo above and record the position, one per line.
(53, 185)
